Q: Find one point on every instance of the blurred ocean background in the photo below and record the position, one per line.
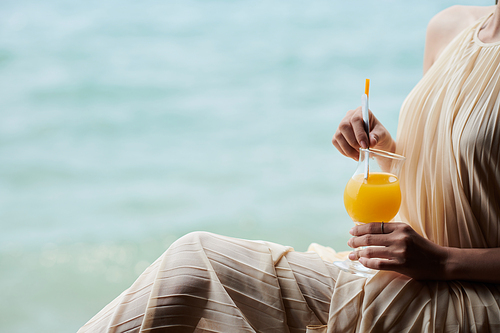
(127, 124)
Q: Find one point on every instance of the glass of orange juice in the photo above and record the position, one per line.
(372, 195)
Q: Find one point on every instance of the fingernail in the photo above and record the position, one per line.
(349, 242)
(351, 231)
(352, 256)
(363, 144)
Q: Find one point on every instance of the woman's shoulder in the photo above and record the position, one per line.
(454, 19)
(446, 25)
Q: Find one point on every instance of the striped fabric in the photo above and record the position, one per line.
(210, 283)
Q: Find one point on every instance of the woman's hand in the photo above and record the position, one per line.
(351, 135)
(397, 247)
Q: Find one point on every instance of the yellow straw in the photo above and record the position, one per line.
(367, 86)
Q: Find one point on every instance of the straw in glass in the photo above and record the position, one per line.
(366, 120)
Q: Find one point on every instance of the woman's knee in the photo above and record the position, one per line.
(194, 237)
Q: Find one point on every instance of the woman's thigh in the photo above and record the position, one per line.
(208, 282)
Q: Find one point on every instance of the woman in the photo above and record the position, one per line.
(440, 270)
(450, 261)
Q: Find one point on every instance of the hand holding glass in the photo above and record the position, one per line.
(372, 195)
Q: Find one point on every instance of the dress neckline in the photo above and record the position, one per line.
(478, 28)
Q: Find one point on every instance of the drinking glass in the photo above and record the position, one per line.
(372, 195)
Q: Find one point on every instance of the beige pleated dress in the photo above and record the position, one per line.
(449, 131)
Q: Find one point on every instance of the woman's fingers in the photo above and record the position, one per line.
(379, 264)
(359, 130)
(373, 228)
(372, 252)
(351, 134)
(370, 240)
(348, 131)
(378, 241)
(344, 147)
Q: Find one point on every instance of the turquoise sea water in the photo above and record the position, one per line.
(124, 125)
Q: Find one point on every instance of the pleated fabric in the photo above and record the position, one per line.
(449, 132)
(211, 283)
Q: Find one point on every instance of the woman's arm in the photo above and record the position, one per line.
(402, 250)
(473, 264)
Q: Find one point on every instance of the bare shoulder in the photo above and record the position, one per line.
(446, 25)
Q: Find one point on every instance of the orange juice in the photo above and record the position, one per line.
(376, 199)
